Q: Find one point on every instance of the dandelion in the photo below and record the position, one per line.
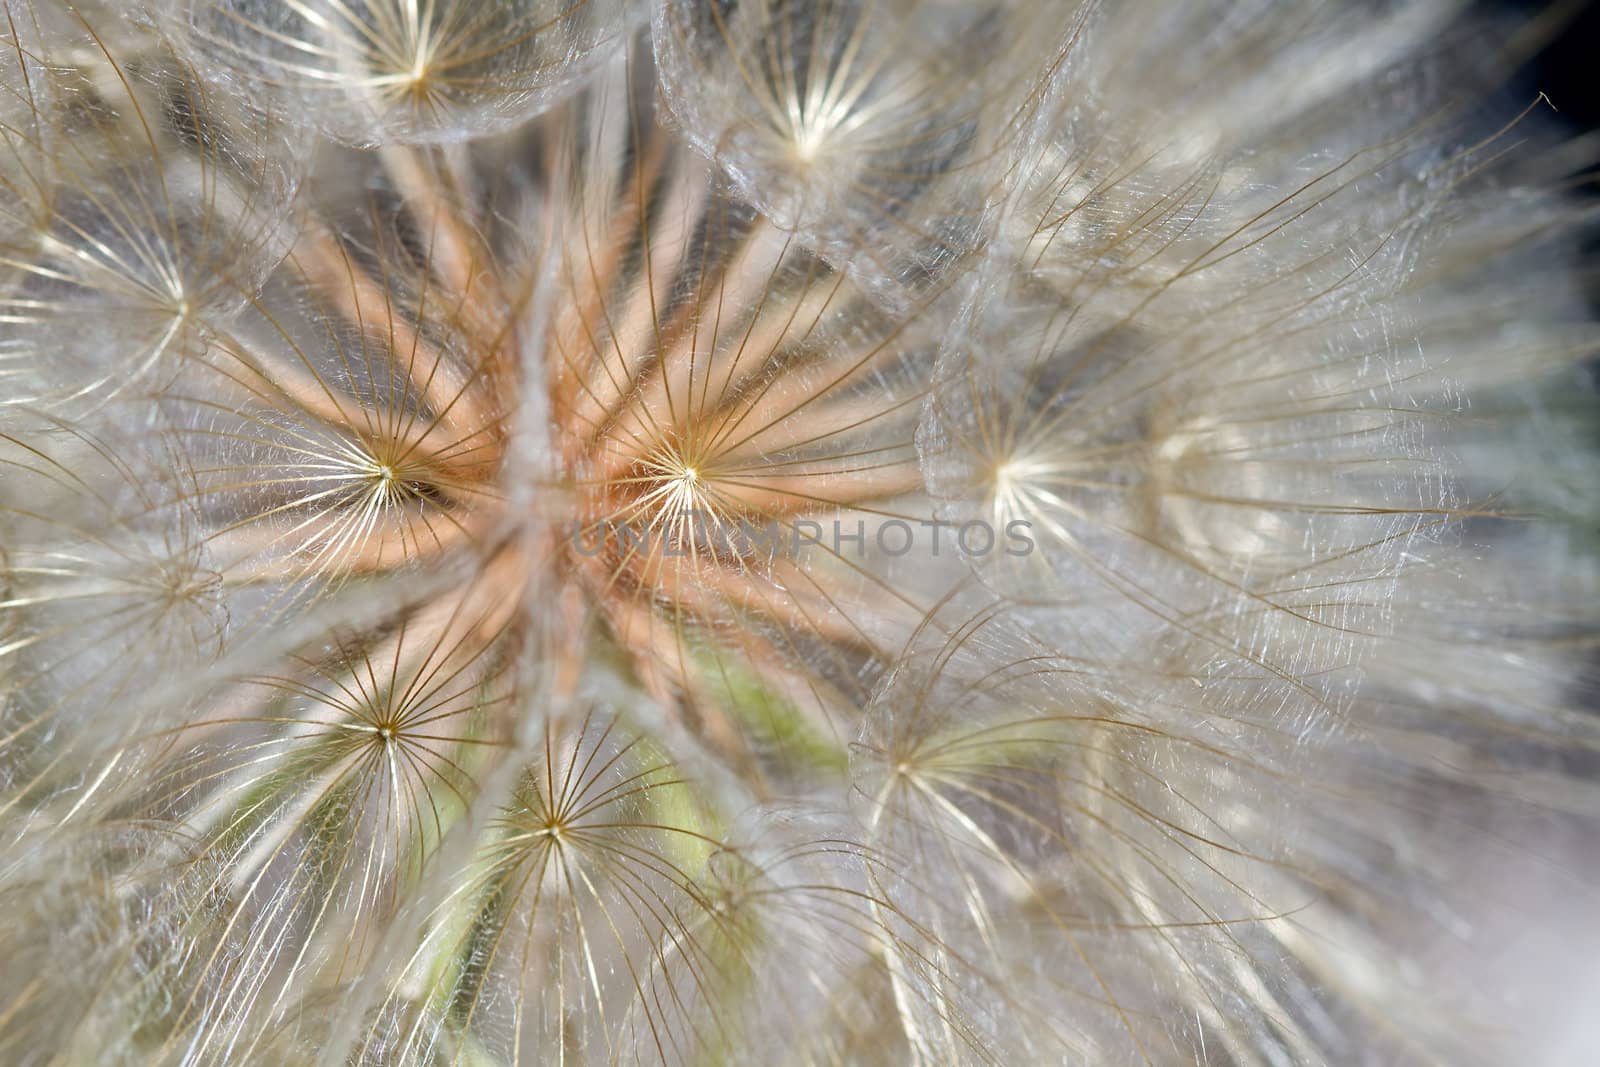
(452, 458)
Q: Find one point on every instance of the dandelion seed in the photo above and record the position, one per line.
(376, 71)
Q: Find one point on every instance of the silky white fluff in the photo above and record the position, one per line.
(492, 535)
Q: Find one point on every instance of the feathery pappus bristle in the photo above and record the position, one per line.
(793, 532)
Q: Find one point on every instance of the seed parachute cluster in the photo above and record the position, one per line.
(792, 532)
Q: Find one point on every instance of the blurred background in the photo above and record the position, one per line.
(1566, 67)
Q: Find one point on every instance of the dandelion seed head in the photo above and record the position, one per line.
(487, 512)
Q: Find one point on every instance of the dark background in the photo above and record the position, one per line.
(1568, 69)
